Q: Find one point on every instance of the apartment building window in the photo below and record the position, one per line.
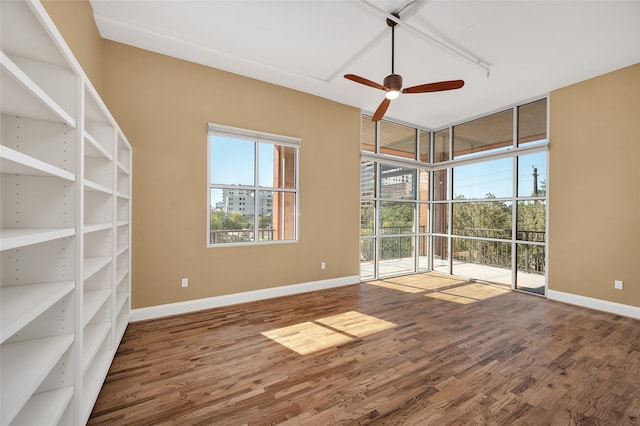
(252, 187)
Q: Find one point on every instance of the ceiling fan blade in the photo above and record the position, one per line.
(381, 110)
(435, 87)
(364, 81)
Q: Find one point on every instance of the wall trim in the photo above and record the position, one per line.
(169, 309)
(597, 304)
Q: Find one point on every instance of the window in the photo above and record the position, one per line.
(252, 187)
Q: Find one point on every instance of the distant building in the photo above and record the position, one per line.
(242, 201)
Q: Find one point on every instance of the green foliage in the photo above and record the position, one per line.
(230, 221)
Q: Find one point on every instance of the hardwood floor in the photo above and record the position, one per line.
(414, 350)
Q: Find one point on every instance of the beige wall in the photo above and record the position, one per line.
(74, 19)
(163, 105)
(594, 187)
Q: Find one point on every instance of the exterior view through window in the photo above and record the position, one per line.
(468, 200)
(252, 187)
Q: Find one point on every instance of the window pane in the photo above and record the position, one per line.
(367, 247)
(367, 179)
(397, 182)
(488, 134)
(424, 185)
(440, 214)
(489, 179)
(396, 218)
(532, 175)
(491, 219)
(396, 255)
(441, 146)
(532, 122)
(423, 253)
(424, 146)
(231, 161)
(441, 254)
(397, 140)
(368, 134)
(367, 217)
(532, 217)
(277, 167)
(231, 216)
(531, 268)
(423, 218)
(440, 185)
(485, 260)
(277, 211)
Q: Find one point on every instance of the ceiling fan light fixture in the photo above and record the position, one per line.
(392, 94)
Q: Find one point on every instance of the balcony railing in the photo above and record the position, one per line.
(530, 258)
(239, 235)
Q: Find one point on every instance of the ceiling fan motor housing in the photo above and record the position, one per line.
(393, 82)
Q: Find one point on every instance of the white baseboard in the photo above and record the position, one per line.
(597, 304)
(159, 311)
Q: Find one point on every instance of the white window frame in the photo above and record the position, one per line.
(256, 137)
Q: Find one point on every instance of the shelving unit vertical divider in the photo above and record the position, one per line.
(77, 396)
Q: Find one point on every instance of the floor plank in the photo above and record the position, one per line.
(416, 350)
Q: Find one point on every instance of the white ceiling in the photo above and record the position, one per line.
(530, 47)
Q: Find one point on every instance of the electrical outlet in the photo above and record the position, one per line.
(323, 265)
(185, 282)
(618, 284)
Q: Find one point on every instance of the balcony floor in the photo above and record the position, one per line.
(534, 283)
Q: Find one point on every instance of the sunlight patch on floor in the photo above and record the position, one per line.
(356, 324)
(324, 333)
(468, 293)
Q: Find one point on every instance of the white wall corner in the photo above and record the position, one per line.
(597, 304)
(169, 309)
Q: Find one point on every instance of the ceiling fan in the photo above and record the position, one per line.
(393, 82)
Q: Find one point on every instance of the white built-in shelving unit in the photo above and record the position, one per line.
(65, 233)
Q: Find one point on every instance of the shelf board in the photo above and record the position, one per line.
(95, 227)
(121, 273)
(123, 195)
(94, 148)
(44, 408)
(20, 304)
(94, 264)
(121, 249)
(92, 382)
(123, 169)
(93, 300)
(22, 97)
(93, 186)
(93, 336)
(14, 238)
(16, 163)
(24, 366)
(121, 299)
(121, 325)
(122, 223)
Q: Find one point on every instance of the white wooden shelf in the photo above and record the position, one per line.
(121, 273)
(93, 186)
(14, 238)
(17, 163)
(122, 223)
(93, 379)
(121, 299)
(121, 249)
(93, 264)
(93, 300)
(94, 335)
(21, 304)
(95, 227)
(94, 149)
(44, 408)
(22, 97)
(123, 169)
(24, 366)
(123, 195)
